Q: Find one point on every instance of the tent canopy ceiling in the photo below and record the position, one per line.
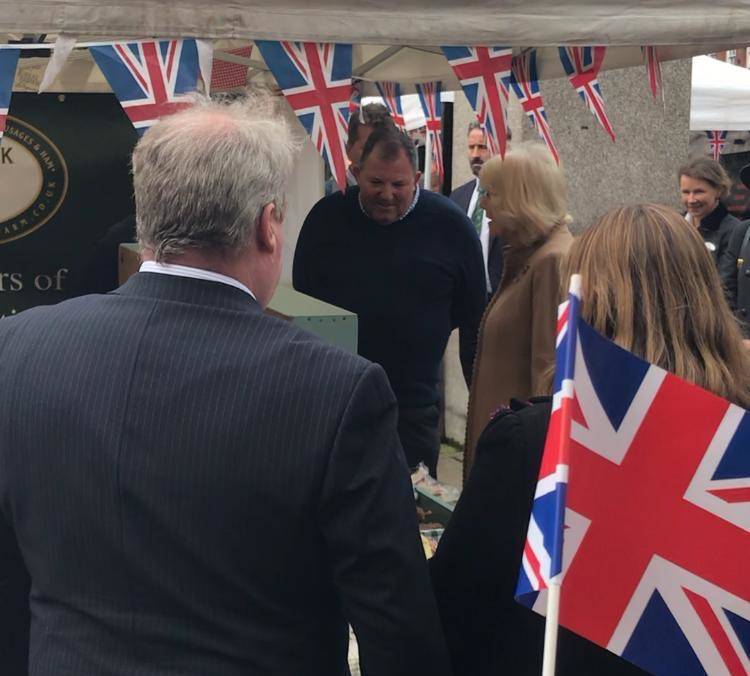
(394, 22)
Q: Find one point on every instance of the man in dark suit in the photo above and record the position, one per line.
(734, 268)
(188, 485)
(467, 198)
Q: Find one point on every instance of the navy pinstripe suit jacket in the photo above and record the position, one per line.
(193, 487)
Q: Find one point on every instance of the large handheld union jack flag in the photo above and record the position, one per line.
(582, 64)
(150, 78)
(657, 520)
(8, 63)
(525, 83)
(542, 562)
(432, 107)
(483, 73)
(391, 93)
(716, 140)
(316, 79)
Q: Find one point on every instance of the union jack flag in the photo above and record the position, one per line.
(657, 519)
(432, 107)
(316, 79)
(355, 98)
(717, 140)
(653, 68)
(391, 93)
(525, 83)
(8, 63)
(483, 73)
(542, 561)
(582, 64)
(150, 78)
(227, 75)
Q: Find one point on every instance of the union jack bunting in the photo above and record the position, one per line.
(657, 519)
(483, 73)
(716, 141)
(316, 79)
(227, 75)
(582, 64)
(355, 98)
(391, 93)
(8, 63)
(525, 84)
(653, 68)
(432, 107)
(150, 78)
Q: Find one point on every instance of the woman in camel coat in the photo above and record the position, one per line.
(525, 197)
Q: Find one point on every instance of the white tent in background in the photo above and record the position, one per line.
(720, 96)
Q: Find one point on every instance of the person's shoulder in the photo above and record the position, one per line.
(462, 190)
(445, 213)
(34, 323)
(518, 422)
(555, 246)
(305, 351)
(333, 203)
(730, 222)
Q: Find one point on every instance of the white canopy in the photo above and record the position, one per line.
(720, 97)
(399, 40)
(394, 22)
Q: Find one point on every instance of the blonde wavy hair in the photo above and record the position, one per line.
(649, 284)
(529, 187)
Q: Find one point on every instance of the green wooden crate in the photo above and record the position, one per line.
(334, 324)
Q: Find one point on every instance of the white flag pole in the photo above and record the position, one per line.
(427, 158)
(551, 625)
(562, 473)
(205, 62)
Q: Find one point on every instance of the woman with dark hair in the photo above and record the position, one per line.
(704, 183)
(644, 270)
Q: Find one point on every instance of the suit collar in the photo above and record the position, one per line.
(187, 290)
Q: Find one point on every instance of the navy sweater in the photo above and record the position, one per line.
(410, 283)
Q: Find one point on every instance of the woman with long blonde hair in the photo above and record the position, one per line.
(650, 285)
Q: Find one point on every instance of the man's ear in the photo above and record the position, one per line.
(355, 169)
(266, 237)
(417, 176)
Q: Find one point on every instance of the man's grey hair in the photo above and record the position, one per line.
(202, 176)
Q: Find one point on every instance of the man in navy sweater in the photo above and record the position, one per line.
(409, 264)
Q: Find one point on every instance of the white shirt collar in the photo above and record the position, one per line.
(195, 273)
(402, 216)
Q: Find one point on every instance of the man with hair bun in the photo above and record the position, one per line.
(189, 485)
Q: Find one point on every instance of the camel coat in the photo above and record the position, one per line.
(516, 345)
